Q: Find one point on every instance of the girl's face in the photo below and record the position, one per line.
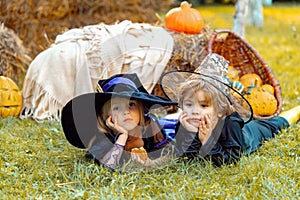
(126, 112)
(196, 105)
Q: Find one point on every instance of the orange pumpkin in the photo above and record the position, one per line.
(250, 79)
(184, 19)
(268, 88)
(10, 97)
(233, 73)
(262, 102)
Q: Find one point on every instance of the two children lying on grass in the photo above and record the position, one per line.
(215, 122)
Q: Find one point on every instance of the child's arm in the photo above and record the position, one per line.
(105, 152)
(221, 155)
(112, 158)
(227, 149)
(230, 144)
(187, 142)
(204, 127)
(190, 138)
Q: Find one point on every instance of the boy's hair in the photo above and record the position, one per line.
(104, 113)
(217, 98)
(223, 104)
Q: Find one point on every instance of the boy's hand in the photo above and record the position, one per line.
(205, 128)
(184, 120)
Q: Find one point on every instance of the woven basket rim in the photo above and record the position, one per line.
(269, 74)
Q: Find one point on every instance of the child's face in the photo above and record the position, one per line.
(196, 105)
(126, 112)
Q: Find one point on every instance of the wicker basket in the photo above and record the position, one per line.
(245, 58)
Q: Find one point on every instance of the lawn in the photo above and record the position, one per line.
(38, 163)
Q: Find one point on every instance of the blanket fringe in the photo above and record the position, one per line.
(38, 103)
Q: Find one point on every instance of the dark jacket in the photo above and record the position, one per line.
(154, 138)
(231, 140)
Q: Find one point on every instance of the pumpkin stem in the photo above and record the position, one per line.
(185, 5)
(255, 82)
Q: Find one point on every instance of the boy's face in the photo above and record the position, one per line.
(196, 104)
(127, 112)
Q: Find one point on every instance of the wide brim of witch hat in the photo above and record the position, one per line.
(80, 115)
(172, 81)
(212, 70)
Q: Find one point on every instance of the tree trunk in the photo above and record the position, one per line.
(256, 13)
(240, 17)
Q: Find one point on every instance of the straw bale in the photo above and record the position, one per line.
(189, 49)
(14, 59)
(38, 22)
(188, 52)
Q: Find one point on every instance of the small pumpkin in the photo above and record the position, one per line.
(10, 97)
(233, 73)
(184, 19)
(268, 88)
(250, 79)
(262, 102)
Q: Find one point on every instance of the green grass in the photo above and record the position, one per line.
(36, 157)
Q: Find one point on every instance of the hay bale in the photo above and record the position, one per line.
(38, 22)
(14, 58)
(189, 49)
(188, 52)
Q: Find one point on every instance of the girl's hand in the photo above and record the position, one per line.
(115, 126)
(137, 159)
(149, 163)
(183, 118)
(205, 128)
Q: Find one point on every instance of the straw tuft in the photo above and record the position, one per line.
(188, 50)
(14, 59)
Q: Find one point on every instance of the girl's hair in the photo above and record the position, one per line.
(215, 96)
(104, 113)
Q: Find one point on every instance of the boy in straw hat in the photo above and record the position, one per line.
(216, 121)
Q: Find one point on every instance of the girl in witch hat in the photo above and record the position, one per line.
(114, 122)
(216, 120)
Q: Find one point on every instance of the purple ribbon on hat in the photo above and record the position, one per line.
(118, 80)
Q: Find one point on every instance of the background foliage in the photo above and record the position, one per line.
(37, 162)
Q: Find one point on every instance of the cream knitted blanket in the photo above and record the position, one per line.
(80, 57)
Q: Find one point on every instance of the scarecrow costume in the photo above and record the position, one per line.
(234, 134)
(81, 114)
